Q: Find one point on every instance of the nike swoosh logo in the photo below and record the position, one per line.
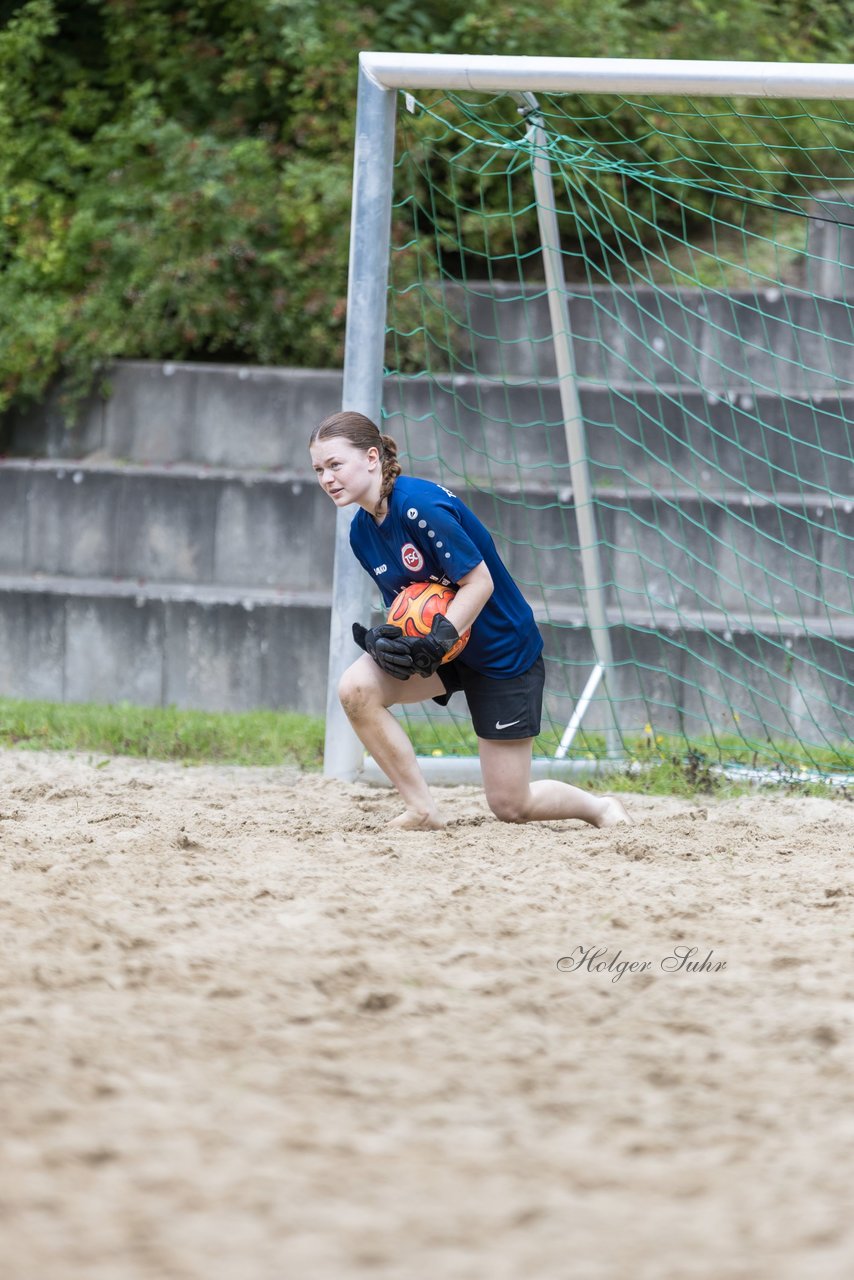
(507, 725)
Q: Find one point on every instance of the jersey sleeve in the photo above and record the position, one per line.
(355, 546)
(364, 560)
(359, 551)
(438, 531)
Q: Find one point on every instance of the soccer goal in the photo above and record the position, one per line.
(609, 303)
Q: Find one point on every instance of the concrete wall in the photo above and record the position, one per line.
(772, 339)
(164, 524)
(830, 245)
(173, 546)
(460, 427)
(695, 678)
(663, 551)
(95, 641)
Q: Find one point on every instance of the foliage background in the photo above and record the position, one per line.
(175, 174)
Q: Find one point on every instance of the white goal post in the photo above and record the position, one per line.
(381, 75)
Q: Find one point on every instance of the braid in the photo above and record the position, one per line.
(391, 470)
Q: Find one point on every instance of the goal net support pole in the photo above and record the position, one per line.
(573, 425)
(343, 753)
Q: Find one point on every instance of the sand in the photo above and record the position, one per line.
(248, 1035)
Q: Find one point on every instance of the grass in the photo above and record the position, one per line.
(671, 764)
(657, 764)
(164, 733)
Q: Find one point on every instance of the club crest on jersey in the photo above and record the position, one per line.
(411, 557)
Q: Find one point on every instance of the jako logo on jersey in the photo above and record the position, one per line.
(381, 568)
(411, 557)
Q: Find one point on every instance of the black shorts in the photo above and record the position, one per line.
(499, 709)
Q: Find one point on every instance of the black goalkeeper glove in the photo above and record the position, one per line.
(386, 646)
(427, 652)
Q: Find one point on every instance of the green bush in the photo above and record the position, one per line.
(169, 188)
(175, 174)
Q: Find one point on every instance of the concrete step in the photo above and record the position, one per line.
(703, 671)
(680, 550)
(675, 548)
(463, 426)
(723, 674)
(702, 674)
(209, 414)
(88, 640)
(170, 524)
(773, 339)
(480, 429)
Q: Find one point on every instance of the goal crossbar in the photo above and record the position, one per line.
(609, 75)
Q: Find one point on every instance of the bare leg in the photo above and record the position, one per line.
(510, 794)
(366, 693)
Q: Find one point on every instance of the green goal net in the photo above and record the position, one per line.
(706, 257)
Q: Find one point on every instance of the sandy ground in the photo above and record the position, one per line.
(247, 1035)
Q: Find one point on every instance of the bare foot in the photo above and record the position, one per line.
(414, 820)
(613, 811)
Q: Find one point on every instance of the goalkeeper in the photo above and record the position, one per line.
(408, 530)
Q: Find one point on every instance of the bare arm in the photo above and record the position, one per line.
(474, 591)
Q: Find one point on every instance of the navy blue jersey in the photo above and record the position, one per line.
(429, 535)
